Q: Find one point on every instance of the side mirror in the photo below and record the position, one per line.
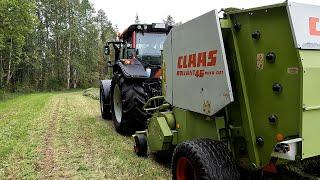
(137, 52)
(106, 50)
(110, 64)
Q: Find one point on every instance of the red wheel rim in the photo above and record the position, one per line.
(185, 170)
(136, 149)
(136, 146)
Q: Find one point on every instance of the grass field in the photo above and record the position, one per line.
(61, 135)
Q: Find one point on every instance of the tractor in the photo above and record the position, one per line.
(134, 71)
(240, 95)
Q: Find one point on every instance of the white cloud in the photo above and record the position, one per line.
(122, 13)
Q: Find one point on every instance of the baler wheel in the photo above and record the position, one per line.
(127, 100)
(203, 159)
(185, 169)
(141, 145)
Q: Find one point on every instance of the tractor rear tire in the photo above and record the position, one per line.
(127, 100)
(203, 159)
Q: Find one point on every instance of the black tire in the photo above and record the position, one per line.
(203, 159)
(141, 145)
(104, 108)
(133, 98)
(164, 157)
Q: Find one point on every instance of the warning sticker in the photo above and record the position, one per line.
(206, 107)
(293, 70)
(260, 61)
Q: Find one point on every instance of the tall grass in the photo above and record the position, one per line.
(4, 95)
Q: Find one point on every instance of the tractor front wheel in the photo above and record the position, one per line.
(203, 159)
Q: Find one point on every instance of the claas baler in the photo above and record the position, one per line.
(241, 92)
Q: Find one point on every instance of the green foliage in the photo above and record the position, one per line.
(54, 84)
(2, 46)
(16, 24)
(52, 45)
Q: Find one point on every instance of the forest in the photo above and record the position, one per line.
(51, 45)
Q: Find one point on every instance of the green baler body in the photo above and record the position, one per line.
(259, 101)
(310, 121)
(252, 76)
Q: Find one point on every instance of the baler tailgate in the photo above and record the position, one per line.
(200, 77)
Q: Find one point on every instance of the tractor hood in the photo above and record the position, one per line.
(132, 68)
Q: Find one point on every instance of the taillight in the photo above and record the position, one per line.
(158, 73)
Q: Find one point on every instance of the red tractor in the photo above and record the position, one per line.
(134, 69)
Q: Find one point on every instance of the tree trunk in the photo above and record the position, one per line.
(69, 63)
(1, 71)
(69, 51)
(68, 72)
(9, 65)
(74, 79)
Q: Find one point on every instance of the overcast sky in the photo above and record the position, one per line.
(122, 12)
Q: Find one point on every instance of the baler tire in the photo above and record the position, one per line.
(141, 145)
(203, 159)
(133, 97)
(105, 110)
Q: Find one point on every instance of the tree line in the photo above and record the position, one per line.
(52, 44)
(168, 20)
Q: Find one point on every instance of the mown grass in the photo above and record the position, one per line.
(92, 93)
(20, 135)
(61, 135)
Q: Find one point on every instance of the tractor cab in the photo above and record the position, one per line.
(145, 42)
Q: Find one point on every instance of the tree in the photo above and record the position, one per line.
(106, 30)
(137, 21)
(106, 33)
(51, 45)
(17, 22)
(169, 20)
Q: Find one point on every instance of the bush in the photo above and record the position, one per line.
(55, 85)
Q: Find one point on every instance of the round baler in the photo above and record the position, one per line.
(241, 94)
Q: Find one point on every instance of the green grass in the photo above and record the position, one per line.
(61, 135)
(20, 134)
(4, 96)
